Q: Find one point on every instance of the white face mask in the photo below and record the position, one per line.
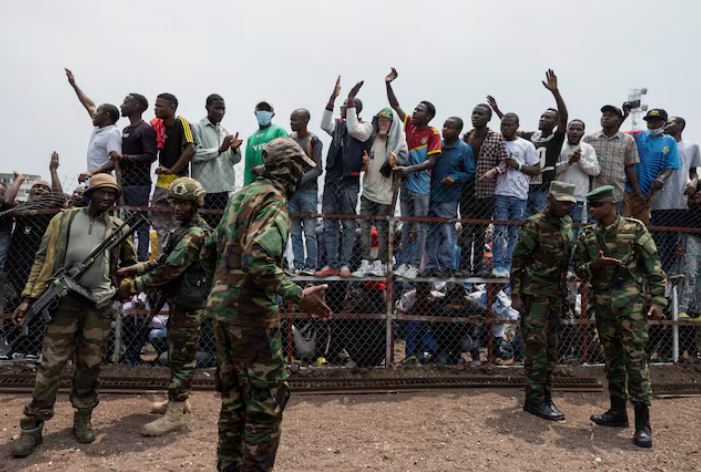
(656, 132)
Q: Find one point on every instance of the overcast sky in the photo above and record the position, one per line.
(452, 53)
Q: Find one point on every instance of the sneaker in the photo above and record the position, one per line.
(327, 271)
(345, 272)
(377, 269)
(399, 271)
(363, 270)
(410, 273)
(306, 271)
(500, 273)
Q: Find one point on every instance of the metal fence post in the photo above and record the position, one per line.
(675, 327)
(389, 294)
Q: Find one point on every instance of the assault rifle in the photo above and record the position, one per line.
(65, 281)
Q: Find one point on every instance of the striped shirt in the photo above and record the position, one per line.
(492, 153)
(614, 154)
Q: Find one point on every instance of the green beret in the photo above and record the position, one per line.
(603, 194)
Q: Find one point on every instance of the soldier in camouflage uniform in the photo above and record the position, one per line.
(539, 292)
(247, 248)
(77, 327)
(181, 278)
(619, 259)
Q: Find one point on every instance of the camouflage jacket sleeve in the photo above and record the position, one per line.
(208, 253)
(263, 248)
(527, 242)
(582, 261)
(127, 253)
(30, 288)
(651, 266)
(180, 258)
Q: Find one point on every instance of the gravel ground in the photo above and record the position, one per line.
(439, 431)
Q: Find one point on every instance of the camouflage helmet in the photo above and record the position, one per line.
(188, 189)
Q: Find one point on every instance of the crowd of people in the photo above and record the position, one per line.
(482, 182)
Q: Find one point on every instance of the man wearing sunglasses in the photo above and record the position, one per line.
(618, 257)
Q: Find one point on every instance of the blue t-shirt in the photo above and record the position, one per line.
(657, 153)
(456, 161)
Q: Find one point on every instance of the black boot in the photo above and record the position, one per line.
(616, 416)
(540, 409)
(556, 411)
(643, 431)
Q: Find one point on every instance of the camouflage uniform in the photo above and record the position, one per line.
(248, 247)
(538, 276)
(620, 315)
(75, 326)
(183, 246)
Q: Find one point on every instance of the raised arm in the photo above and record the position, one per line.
(53, 169)
(493, 104)
(84, 99)
(550, 83)
(327, 123)
(13, 189)
(393, 102)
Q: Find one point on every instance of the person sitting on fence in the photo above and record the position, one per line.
(305, 199)
(424, 144)
(511, 193)
(379, 191)
(450, 174)
(690, 300)
(344, 163)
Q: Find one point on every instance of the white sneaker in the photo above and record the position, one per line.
(411, 272)
(501, 273)
(399, 271)
(363, 270)
(377, 269)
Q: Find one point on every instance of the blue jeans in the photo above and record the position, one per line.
(440, 245)
(340, 197)
(304, 201)
(537, 201)
(505, 236)
(414, 204)
(137, 195)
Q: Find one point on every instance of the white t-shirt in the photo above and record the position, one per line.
(513, 182)
(102, 142)
(672, 197)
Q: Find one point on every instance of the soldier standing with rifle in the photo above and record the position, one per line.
(78, 324)
(619, 258)
(539, 293)
(247, 248)
(180, 277)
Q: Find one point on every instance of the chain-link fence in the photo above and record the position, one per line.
(452, 314)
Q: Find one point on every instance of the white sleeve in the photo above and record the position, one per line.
(327, 122)
(358, 130)
(589, 163)
(531, 158)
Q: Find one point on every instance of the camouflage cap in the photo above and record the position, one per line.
(286, 149)
(603, 194)
(562, 191)
(188, 189)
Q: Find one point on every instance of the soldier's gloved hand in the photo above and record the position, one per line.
(313, 302)
(20, 312)
(655, 311)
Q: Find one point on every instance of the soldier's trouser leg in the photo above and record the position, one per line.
(623, 334)
(254, 393)
(540, 332)
(74, 326)
(183, 337)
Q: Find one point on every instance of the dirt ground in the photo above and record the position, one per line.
(443, 431)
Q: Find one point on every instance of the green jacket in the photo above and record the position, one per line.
(246, 250)
(186, 253)
(52, 251)
(541, 256)
(627, 239)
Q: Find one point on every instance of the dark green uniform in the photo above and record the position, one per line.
(619, 305)
(248, 247)
(538, 276)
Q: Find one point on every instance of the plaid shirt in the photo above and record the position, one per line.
(614, 154)
(492, 154)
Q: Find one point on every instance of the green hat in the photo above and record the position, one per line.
(562, 191)
(603, 194)
(385, 113)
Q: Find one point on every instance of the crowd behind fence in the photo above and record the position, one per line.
(434, 317)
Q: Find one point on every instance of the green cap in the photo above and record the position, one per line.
(603, 194)
(385, 113)
(562, 191)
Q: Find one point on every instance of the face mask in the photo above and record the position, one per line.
(264, 117)
(656, 132)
